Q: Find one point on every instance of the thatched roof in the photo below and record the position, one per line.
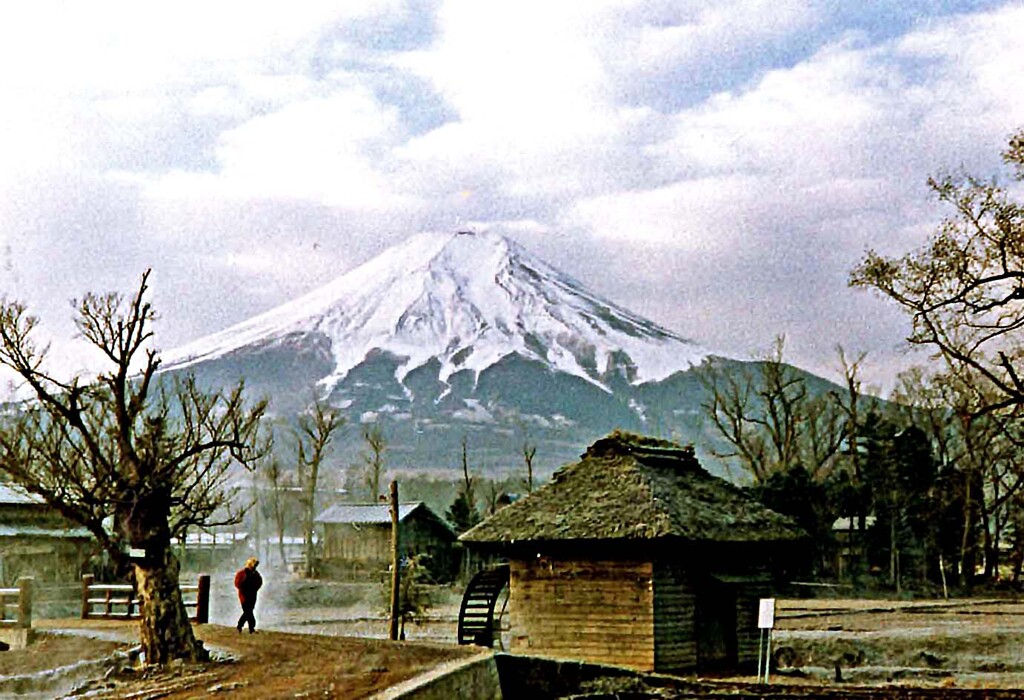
(628, 487)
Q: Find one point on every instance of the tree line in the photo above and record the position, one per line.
(929, 482)
(300, 473)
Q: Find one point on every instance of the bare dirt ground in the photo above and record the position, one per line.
(267, 664)
(329, 651)
(970, 643)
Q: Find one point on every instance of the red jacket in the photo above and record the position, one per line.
(248, 581)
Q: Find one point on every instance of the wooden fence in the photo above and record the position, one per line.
(118, 600)
(16, 605)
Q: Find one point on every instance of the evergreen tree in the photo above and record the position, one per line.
(795, 493)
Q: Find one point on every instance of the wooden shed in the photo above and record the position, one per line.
(37, 541)
(637, 556)
(356, 539)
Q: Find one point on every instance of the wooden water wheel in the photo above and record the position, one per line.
(483, 607)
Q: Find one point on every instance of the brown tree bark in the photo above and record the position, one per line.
(165, 631)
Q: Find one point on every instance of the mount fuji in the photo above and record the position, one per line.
(458, 335)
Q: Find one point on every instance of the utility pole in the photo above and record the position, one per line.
(396, 576)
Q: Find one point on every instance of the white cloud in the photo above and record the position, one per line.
(326, 149)
(661, 36)
(518, 67)
(80, 49)
(696, 215)
(850, 113)
(206, 139)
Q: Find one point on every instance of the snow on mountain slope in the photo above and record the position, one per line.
(468, 300)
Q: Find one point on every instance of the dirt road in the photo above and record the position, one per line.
(261, 666)
(932, 649)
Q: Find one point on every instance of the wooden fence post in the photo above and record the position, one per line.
(203, 600)
(396, 572)
(25, 602)
(87, 580)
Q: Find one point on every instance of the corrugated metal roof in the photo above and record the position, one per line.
(34, 531)
(12, 495)
(365, 513)
(200, 538)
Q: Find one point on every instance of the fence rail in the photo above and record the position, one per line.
(18, 600)
(118, 600)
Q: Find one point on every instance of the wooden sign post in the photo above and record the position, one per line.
(396, 580)
(765, 621)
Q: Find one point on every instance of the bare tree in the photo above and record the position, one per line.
(153, 456)
(981, 448)
(768, 419)
(373, 458)
(467, 480)
(312, 437)
(849, 420)
(529, 451)
(964, 291)
(273, 477)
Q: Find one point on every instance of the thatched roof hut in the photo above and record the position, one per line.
(637, 555)
(627, 488)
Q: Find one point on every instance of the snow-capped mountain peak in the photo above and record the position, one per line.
(466, 300)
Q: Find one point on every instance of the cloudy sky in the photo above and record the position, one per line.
(716, 166)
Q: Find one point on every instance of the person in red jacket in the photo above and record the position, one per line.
(248, 582)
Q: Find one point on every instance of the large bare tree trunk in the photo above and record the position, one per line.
(164, 630)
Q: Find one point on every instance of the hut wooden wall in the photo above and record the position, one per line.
(596, 610)
(675, 635)
(367, 547)
(747, 633)
(47, 559)
(24, 551)
(365, 543)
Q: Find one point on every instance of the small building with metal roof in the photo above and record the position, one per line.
(356, 539)
(37, 541)
(637, 556)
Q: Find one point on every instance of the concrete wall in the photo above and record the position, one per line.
(511, 677)
(475, 678)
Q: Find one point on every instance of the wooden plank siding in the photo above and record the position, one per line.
(747, 632)
(655, 615)
(366, 547)
(599, 611)
(675, 636)
(362, 543)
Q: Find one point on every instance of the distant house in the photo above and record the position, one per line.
(356, 539)
(205, 551)
(35, 540)
(851, 552)
(288, 551)
(637, 556)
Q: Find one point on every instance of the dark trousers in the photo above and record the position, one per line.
(247, 616)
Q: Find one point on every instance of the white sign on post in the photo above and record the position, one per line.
(766, 614)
